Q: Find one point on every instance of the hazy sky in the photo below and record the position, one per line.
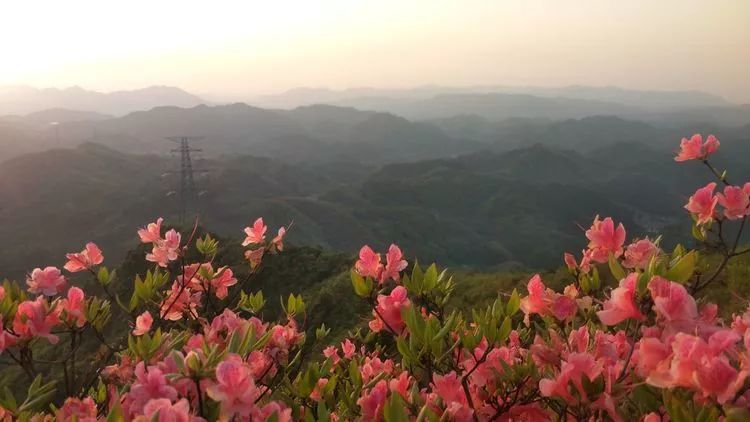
(233, 49)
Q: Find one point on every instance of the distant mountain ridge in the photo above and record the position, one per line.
(22, 99)
(648, 100)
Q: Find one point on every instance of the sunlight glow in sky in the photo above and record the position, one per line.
(231, 49)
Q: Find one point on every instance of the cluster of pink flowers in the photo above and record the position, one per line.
(165, 249)
(38, 317)
(199, 350)
(256, 238)
(735, 200)
(369, 265)
(695, 149)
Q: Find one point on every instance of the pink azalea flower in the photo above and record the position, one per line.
(736, 201)
(395, 263)
(448, 388)
(256, 234)
(222, 283)
(570, 261)
(152, 233)
(371, 402)
(143, 324)
(717, 378)
(333, 353)
(400, 384)
(284, 337)
(277, 409)
(695, 149)
(538, 301)
(672, 301)
(389, 307)
(348, 348)
(605, 239)
(373, 366)
(621, 304)
(76, 409)
(564, 307)
(178, 302)
(48, 281)
(369, 264)
(572, 370)
(261, 365)
(703, 203)
(6, 339)
(254, 256)
(84, 260)
(168, 412)
(234, 387)
(35, 319)
(317, 393)
(638, 254)
(150, 383)
(278, 241)
(165, 250)
(651, 355)
(73, 306)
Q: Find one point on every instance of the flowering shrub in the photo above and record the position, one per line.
(628, 338)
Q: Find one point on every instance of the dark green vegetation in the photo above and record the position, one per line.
(463, 191)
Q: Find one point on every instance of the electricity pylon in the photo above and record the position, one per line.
(187, 194)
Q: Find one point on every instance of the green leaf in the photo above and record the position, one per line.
(505, 329)
(395, 409)
(683, 269)
(115, 414)
(361, 286)
(615, 268)
(514, 303)
(430, 277)
(698, 233)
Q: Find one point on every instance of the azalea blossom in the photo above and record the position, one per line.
(395, 263)
(621, 304)
(165, 250)
(389, 309)
(74, 307)
(672, 301)
(234, 388)
(150, 383)
(152, 232)
(143, 324)
(638, 254)
(168, 412)
(36, 319)
(348, 348)
(255, 256)
(278, 241)
(84, 260)
(48, 281)
(605, 239)
(255, 234)
(368, 264)
(695, 149)
(82, 410)
(572, 371)
(702, 203)
(736, 201)
(373, 400)
(570, 261)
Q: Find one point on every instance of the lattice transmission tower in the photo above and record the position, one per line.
(187, 194)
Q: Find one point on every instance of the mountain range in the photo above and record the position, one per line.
(466, 182)
(22, 99)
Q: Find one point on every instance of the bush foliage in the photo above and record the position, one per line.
(627, 330)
